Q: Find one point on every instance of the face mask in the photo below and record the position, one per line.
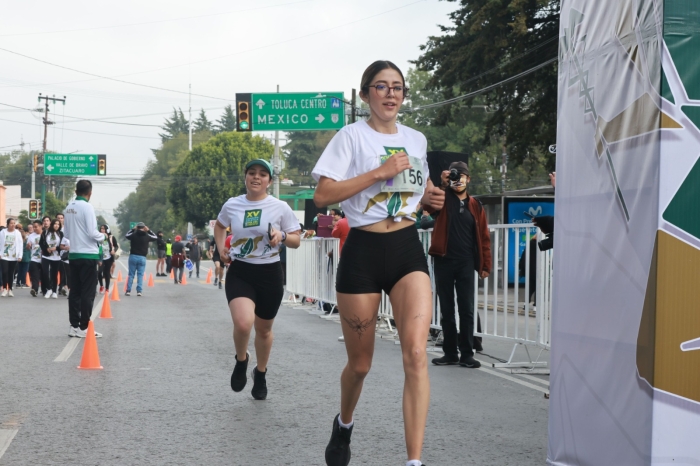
(459, 186)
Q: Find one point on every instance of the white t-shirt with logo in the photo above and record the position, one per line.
(53, 240)
(249, 222)
(33, 242)
(11, 244)
(358, 149)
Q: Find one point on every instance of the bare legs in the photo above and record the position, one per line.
(411, 301)
(244, 319)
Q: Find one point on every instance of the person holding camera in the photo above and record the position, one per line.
(461, 244)
(139, 237)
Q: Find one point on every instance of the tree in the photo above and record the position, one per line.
(213, 172)
(227, 122)
(489, 41)
(303, 150)
(176, 124)
(202, 123)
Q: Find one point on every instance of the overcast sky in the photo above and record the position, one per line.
(221, 47)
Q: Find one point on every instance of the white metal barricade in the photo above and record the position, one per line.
(504, 309)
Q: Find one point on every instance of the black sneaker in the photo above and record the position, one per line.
(216, 281)
(469, 362)
(445, 361)
(238, 377)
(259, 391)
(220, 287)
(338, 449)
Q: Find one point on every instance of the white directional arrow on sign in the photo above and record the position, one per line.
(319, 118)
(260, 104)
(91, 158)
(50, 168)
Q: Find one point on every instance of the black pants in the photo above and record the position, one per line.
(196, 265)
(49, 275)
(82, 283)
(180, 270)
(35, 275)
(104, 273)
(450, 276)
(63, 268)
(168, 267)
(8, 273)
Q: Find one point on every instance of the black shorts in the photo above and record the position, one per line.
(216, 258)
(372, 262)
(261, 283)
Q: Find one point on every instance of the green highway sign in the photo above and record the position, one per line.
(75, 164)
(297, 111)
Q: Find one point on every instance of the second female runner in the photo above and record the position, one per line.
(254, 281)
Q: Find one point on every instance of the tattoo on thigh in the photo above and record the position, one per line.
(357, 325)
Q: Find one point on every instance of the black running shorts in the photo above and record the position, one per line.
(261, 283)
(372, 262)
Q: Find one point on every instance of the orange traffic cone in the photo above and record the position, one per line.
(29, 280)
(208, 282)
(125, 287)
(106, 312)
(172, 275)
(115, 293)
(91, 358)
(150, 280)
(119, 276)
(184, 278)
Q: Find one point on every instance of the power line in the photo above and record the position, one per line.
(198, 61)
(151, 22)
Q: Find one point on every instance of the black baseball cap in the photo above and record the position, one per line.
(461, 167)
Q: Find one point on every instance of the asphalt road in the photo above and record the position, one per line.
(163, 397)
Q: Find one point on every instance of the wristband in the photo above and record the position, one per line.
(284, 237)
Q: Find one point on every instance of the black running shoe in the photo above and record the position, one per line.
(338, 449)
(469, 362)
(220, 287)
(259, 391)
(238, 377)
(446, 361)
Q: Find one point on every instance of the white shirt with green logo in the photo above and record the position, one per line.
(357, 149)
(33, 242)
(249, 222)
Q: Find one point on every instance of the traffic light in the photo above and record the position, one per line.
(33, 209)
(36, 161)
(39, 207)
(101, 165)
(243, 112)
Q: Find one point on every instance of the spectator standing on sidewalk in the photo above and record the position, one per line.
(139, 236)
(160, 246)
(10, 254)
(80, 230)
(195, 254)
(50, 242)
(177, 262)
(341, 228)
(168, 255)
(23, 265)
(461, 244)
(35, 264)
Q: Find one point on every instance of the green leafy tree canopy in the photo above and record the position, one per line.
(212, 173)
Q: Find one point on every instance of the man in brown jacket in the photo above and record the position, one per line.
(460, 245)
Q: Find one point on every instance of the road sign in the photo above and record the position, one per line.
(297, 111)
(75, 164)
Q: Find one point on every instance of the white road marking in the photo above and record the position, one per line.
(6, 436)
(70, 347)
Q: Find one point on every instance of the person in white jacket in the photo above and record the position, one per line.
(11, 252)
(80, 228)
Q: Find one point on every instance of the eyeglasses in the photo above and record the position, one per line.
(461, 207)
(383, 89)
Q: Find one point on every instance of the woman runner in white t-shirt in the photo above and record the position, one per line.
(378, 170)
(254, 280)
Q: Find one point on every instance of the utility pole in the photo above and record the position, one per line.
(47, 123)
(276, 161)
(190, 125)
(353, 112)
